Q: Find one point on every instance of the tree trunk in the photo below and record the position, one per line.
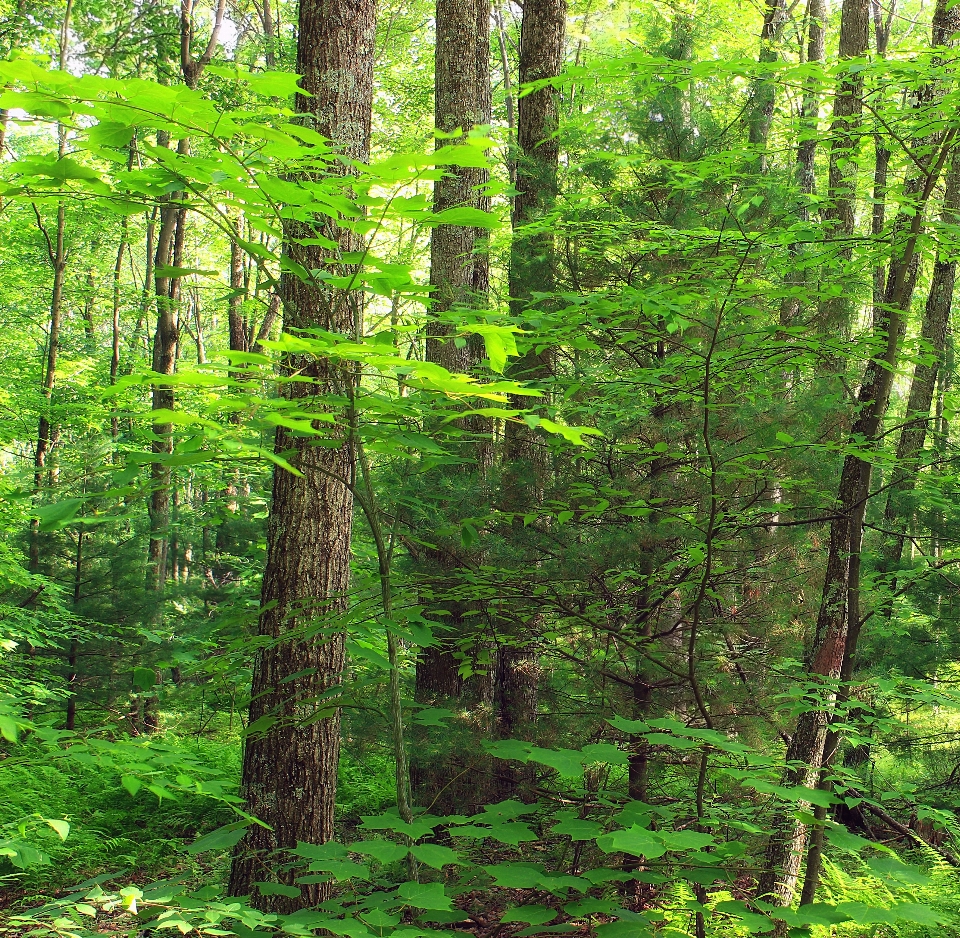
(832, 644)
(763, 92)
(460, 276)
(933, 336)
(290, 759)
(835, 311)
(532, 270)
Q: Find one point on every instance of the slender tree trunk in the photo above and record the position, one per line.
(459, 275)
(74, 648)
(290, 759)
(532, 270)
(834, 638)
(835, 311)
(807, 147)
(115, 323)
(933, 337)
(57, 256)
(763, 91)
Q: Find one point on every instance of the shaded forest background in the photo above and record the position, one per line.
(479, 468)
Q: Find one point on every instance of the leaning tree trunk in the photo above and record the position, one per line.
(290, 759)
(459, 275)
(532, 270)
(836, 626)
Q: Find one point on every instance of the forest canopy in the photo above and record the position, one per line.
(479, 468)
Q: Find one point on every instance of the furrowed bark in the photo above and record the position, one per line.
(459, 276)
(290, 760)
(532, 270)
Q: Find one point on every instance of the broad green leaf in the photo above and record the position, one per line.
(425, 895)
(435, 855)
(61, 827)
(578, 829)
(220, 839)
(382, 850)
(531, 914)
(278, 889)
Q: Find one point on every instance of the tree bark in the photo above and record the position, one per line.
(763, 92)
(290, 759)
(835, 310)
(459, 276)
(532, 270)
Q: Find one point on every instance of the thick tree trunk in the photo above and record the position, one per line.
(290, 758)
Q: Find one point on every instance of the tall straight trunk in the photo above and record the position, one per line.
(164, 363)
(57, 256)
(115, 322)
(763, 91)
(73, 647)
(170, 250)
(290, 761)
(460, 277)
(835, 311)
(807, 147)
(532, 270)
(838, 619)
(882, 155)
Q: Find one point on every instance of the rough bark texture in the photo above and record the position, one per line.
(459, 265)
(763, 91)
(290, 766)
(532, 269)
(835, 312)
(459, 275)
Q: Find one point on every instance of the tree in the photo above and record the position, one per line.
(292, 751)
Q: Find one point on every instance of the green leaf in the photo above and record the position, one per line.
(623, 929)
(685, 840)
(531, 914)
(635, 840)
(516, 875)
(61, 827)
(425, 895)
(278, 889)
(578, 829)
(131, 783)
(435, 855)
(463, 216)
(144, 678)
(220, 839)
(57, 515)
(890, 869)
(382, 850)
(110, 134)
(842, 839)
